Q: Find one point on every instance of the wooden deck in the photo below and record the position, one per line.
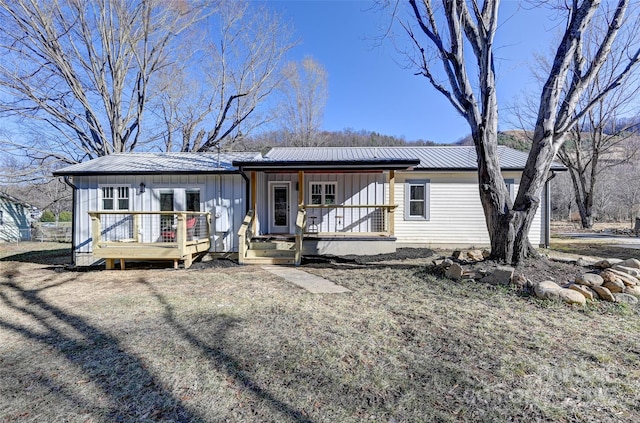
(138, 236)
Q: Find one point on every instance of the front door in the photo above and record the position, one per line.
(279, 208)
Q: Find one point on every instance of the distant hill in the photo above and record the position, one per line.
(517, 140)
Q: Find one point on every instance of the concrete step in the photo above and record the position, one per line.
(268, 260)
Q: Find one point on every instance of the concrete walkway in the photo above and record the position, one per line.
(312, 283)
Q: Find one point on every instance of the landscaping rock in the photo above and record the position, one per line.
(501, 275)
(473, 274)
(633, 263)
(446, 263)
(628, 270)
(552, 291)
(572, 297)
(454, 272)
(589, 279)
(604, 293)
(540, 289)
(626, 278)
(625, 298)
(519, 280)
(475, 255)
(614, 286)
(459, 255)
(586, 261)
(609, 276)
(584, 290)
(607, 263)
(486, 253)
(632, 290)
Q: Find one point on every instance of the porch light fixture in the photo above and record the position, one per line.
(142, 188)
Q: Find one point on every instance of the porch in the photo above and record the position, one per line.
(172, 236)
(321, 229)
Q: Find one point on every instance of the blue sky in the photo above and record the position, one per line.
(369, 89)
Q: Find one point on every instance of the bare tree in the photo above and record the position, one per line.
(232, 73)
(601, 138)
(305, 92)
(589, 151)
(82, 69)
(470, 87)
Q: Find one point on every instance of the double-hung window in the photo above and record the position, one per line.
(416, 199)
(323, 193)
(115, 198)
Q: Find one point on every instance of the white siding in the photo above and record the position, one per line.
(15, 224)
(456, 214)
(226, 190)
(352, 189)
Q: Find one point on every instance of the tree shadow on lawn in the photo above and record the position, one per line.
(133, 392)
(222, 360)
(60, 256)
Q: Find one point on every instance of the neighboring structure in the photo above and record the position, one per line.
(289, 202)
(15, 222)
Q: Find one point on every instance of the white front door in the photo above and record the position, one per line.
(279, 215)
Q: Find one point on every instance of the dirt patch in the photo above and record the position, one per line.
(401, 254)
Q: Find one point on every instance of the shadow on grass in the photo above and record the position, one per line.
(58, 256)
(223, 361)
(134, 394)
(597, 250)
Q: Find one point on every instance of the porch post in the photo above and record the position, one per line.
(254, 200)
(392, 201)
(300, 187)
(95, 230)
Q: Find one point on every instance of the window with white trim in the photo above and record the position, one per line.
(115, 198)
(416, 199)
(510, 183)
(323, 192)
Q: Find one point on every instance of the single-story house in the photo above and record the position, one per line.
(15, 222)
(276, 207)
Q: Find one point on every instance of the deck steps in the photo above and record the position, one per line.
(271, 251)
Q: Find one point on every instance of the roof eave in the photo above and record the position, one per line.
(146, 172)
(327, 165)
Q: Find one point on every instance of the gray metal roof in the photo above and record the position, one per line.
(154, 163)
(431, 157)
(419, 157)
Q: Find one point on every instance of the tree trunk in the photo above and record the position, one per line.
(510, 225)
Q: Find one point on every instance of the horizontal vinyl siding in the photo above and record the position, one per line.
(15, 225)
(456, 214)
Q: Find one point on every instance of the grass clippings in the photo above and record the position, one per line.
(240, 344)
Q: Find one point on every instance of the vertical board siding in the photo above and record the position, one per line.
(351, 189)
(457, 217)
(225, 189)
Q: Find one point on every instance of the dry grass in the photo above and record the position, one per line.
(595, 250)
(239, 344)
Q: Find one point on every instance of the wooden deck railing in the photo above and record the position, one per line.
(340, 219)
(301, 224)
(149, 235)
(245, 233)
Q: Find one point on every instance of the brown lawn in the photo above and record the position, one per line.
(238, 344)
